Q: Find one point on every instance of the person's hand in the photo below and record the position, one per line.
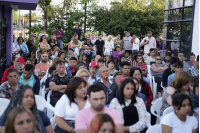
(126, 129)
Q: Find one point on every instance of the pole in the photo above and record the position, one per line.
(29, 22)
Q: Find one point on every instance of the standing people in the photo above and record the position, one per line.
(77, 30)
(60, 36)
(109, 45)
(118, 42)
(93, 40)
(148, 42)
(30, 43)
(99, 46)
(136, 43)
(21, 47)
(43, 33)
(127, 45)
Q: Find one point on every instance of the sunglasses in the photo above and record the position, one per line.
(158, 59)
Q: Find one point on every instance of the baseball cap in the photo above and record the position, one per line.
(94, 64)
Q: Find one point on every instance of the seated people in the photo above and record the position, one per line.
(151, 58)
(195, 95)
(93, 70)
(181, 84)
(179, 120)
(131, 108)
(85, 60)
(138, 63)
(83, 73)
(58, 82)
(192, 60)
(20, 68)
(194, 70)
(126, 57)
(80, 65)
(110, 87)
(101, 63)
(167, 59)
(73, 100)
(72, 66)
(157, 70)
(111, 69)
(97, 99)
(28, 78)
(8, 87)
(116, 53)
(178, 68)
(24, 96)
(185, 64)
(168, 71)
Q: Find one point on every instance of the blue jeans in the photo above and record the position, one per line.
(135, 50)
(93, 53)
(61, 44)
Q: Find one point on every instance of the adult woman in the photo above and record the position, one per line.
(85, 60)
(133, 58)
(83, 73)
(111, 69)
(194, 70)
(20, 68)
(179, 121)
(20, 46)
(44, 45)
(75, 44)
(144, 87)
(192, 60)
(138, 63)
(131, 108)
(109, 45)
(74, 99)
(31, 55)
(181, 84)
(116, 53)
(20, 120)
(102, 123)
(87, 48)
(24, 96)
(61, 54)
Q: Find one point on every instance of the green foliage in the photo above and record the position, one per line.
(14, 17)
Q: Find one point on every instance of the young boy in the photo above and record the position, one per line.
(72, 66)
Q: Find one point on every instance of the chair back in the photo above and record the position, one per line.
(40, 102)
(154, 129)
(168, 110)
(157, 105)
(3, 105)
(149, 69)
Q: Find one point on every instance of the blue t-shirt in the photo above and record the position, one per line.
(43, 117)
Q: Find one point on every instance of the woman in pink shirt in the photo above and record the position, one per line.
(116, 53)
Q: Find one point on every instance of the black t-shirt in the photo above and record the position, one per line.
(84, 40)
(99, 45)
(54, 41)
(165, 75)
(89, 45)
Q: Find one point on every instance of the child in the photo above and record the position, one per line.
(72, 66)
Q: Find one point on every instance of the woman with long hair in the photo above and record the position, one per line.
(109, 46)
(75, 44)
(116, 53)
(85, 60)
(31, 55)
(24, 96)
(44, 45)
(20, 120)
(73, 100)
(102, 123)
(131, 108)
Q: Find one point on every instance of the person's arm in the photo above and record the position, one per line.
(63, 125)
(155, 69)
(143, 43)
(149, 95)
(26, 48)
(2, 129)
(40, 73)
(169, 80)
(54, 87)
(49, 129)
(117, 81)
(166, 129)
(119, 128)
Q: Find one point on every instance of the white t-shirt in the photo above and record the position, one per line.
(109, 45)
(90, 80)
(93, 42)
(177, 125)
(65, 110)
(149, 59)
(136, 45)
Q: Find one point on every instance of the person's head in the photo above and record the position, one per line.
(117, 48)
(116, 74)
(181, 82)
(134, 55)
(28, 61)
(127, 91)
(123, 51)
(152, 52)
(76, 89)
(135, 80)
(126, 54)
(136, 72)
(180, 56)
(52, 70)
(43, 30)
(77, 26)
(178, 65)
(169, 51)
(43, 38)
(139, 58)
(85, 57)
(158, 60)
(101, 62)
(20, 68)
(111, 63)
(168, 57)
(127, 33)
(15, 61)
(83, 73)
(172, 62)
(20, 120)
(12, 76)
(44, 57)
(59, 28)
(55, 60)
(192, 57)
(109, 38)
(32, 36)
(20, 40)
(100, 36)
(88, 40)
(102, 123)
(60, 67)
(182, 104)
(118, 36)
(80, 66)
(61, 54)
(73, 62)
(52, 36)
(97, 97)
(149, 33)
(86, 35)
(28, 71)
(97, 58)
(93, 67)
(142, 50)
(196, 86)
(134, 36)
(103, 72)
(92, 35)
(125, 68)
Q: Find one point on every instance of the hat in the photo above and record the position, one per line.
(94, 64)
(32, 35)
(160, 38)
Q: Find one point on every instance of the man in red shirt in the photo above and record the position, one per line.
(16, 59)
(72, 67)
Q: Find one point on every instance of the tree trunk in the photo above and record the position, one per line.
(45, 20)
(63, 12)
(85, 17)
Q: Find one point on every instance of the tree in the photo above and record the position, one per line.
(14, 17)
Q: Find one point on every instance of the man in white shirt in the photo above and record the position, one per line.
(93, 70)
(136, 43)
(151, 58)
(93, 40)
(148, 42)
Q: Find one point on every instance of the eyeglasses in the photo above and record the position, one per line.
(84, 76)
(158, 59)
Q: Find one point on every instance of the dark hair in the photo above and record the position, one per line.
(198, 58)
(27, 59)
(13, 57)
(125, 63)
(173, 60)
(73, 58)
(178, 64)
(177, 99)
(116, 48)
(195, 84)
(19, 38)
(180, 52)
(143, 83)
(41, 38)
(140, 52)
(59, 27)
(101, 60)
(60, 53)
(122, 49)
(79, 64)
(135, 86)
(126, 52)
(95, 88)
(84, 54)
(120, 96)
(135, 34)
(191, 54)
(151, 49)
(99, 34)
(51, 69)
(28, 67)
(139, 56)
(149, 32)
(116, 67)
(11, 70)
(134, 54)
(111, 60)
(169, 54)
(72, 86)
(60, 62)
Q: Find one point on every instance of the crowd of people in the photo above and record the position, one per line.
(99, 86)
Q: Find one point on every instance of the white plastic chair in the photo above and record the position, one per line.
(52, 120)
(153, 84)
(42, 87)
(148, 121)
(154, 129)
(156, 106)
(162, 87)
(168, 110)
(3, 105)
(50, 113)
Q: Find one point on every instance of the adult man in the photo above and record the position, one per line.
(167, 59)
(136, 43)
(178, 68)
(16, 59)
(93, 70)
(58, 82)
(168, 71)
(30, 43)
(84, 40)
(127, 45)
(72, 66)
(79, 66)
(97, 99)
(43, 33)
(148, 42)
(110, 87)
(93, 40)
(151, 58)
(60, 36)
(77, 31)
(43, 66)
(185, 64)
(101, 63)
(52, 42)
(97, 58)
(99, 45)
(28, 78)
(118, 42)
(8, 87)
(125, 69)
